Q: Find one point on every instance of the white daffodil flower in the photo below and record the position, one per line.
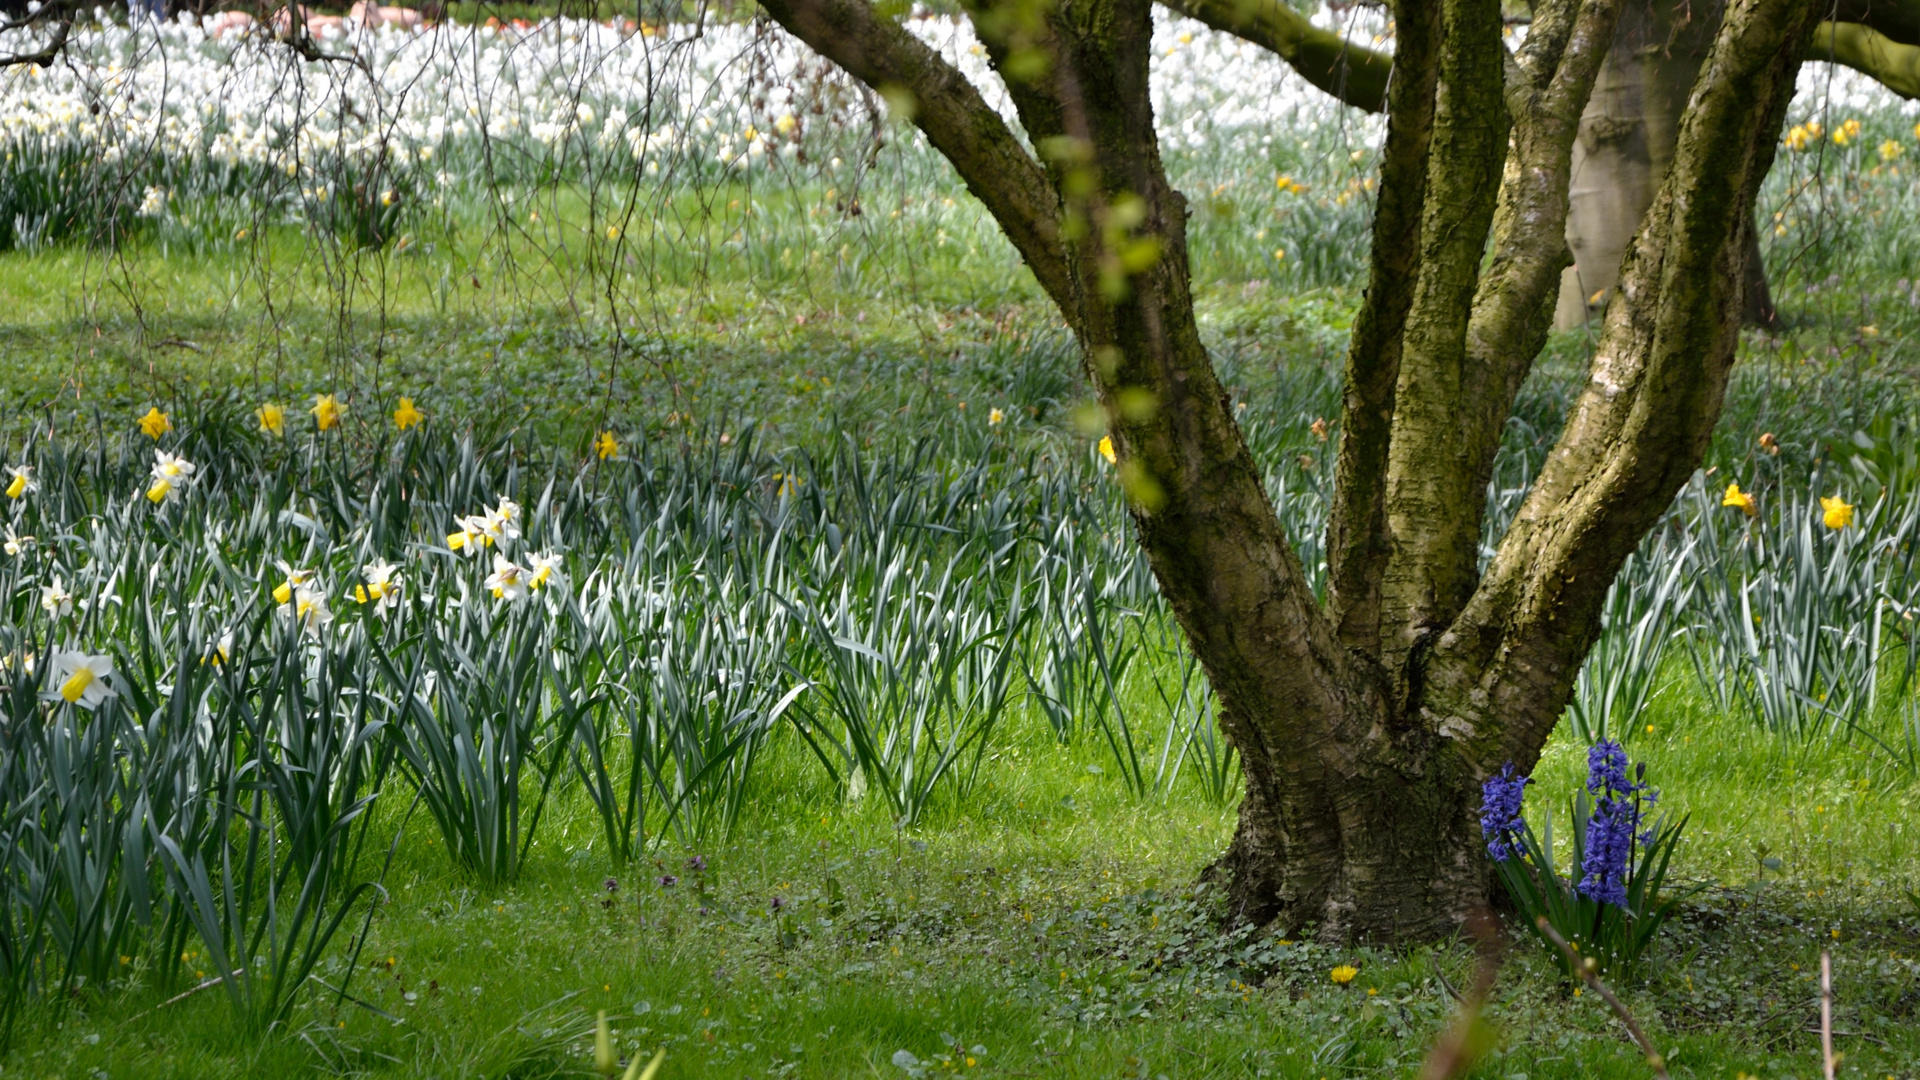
(16, 543)
(383, 586)
(55, 599)
(283, 592)
(79, 679)
(22, 483)
(544, 569)
(507, 582)
(170, 474)
(308, 609)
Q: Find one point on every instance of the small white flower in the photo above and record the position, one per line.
(507, 582)
(153, 204)
(55, 599)
(544, 569)
(16, 543)
(79, 679)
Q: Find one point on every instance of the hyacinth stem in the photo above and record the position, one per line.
(1589, 970)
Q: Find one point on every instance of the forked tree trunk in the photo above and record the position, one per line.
(1367, 724)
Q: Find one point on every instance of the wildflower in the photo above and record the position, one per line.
(1500, 819)
(995, 418)
(507, 582)
(326, 411)
(1344, 974)
(544, 568)
(1736, 497)
(1890, 150)
(382, 588)
(15, 542)
(155, 423)
(406, 415)
(1319, 428)
(170, 474)
(295, 579)
(613, 233)
(1106, 449)
(1836, 512)
(1611, 827)
(81, 679)
(1769, 444)
(668, 881)
(777, 904)
(612, 885)
(697, 864)
(273, 419)
(308, 609)
(23, 481)
(605, 445)
(55, 600)
(1846, 133)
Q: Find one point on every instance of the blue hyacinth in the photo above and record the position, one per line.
(1500, 820)
(1612, 827)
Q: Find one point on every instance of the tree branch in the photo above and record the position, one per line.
(45, 56)
(1641, 426)
(1897, 20)
(995, 166)
(1866, 50)
(1353, 74)
(1357, 546)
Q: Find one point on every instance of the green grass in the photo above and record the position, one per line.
(1055, 922)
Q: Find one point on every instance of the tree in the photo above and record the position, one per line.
(1368, 722)
(1632, 117)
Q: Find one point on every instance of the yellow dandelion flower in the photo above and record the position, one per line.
(1344, 974)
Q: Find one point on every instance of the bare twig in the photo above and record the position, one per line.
(182, 996)
(1589, 970)
(46, 56)
(1826, 1011)
(1455, 1051)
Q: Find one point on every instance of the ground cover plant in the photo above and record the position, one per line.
(478, 660)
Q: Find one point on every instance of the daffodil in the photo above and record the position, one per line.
(406, 415)
(382, 586)
(507, 582)
(221, 652)
(307, 608)
(55, 600)
(15, 542)
(327, 411)
(295, 579)
(1344, 974)
(79, 679)
(995, 418)
(1736, 497)
(606, 446)
(155, 423)
(273, 418)
(23, 482)
(170, 474)
(543, 569)
(1106, 449)
(469, 537)
(1836, 512)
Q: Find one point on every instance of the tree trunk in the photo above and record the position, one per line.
(1366, 725)
(1626, 142)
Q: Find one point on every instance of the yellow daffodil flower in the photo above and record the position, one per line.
(606, 446)
(1344, 974)
(327, 411)
(283, 592)
(1106, 449)
(406, 415)
(1836, 512)
(273, 418)
(81, 679)
(155, 423)
(23, 481)
(170, 474)
(1736, 497)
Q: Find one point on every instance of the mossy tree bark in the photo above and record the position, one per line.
(1367, 724)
